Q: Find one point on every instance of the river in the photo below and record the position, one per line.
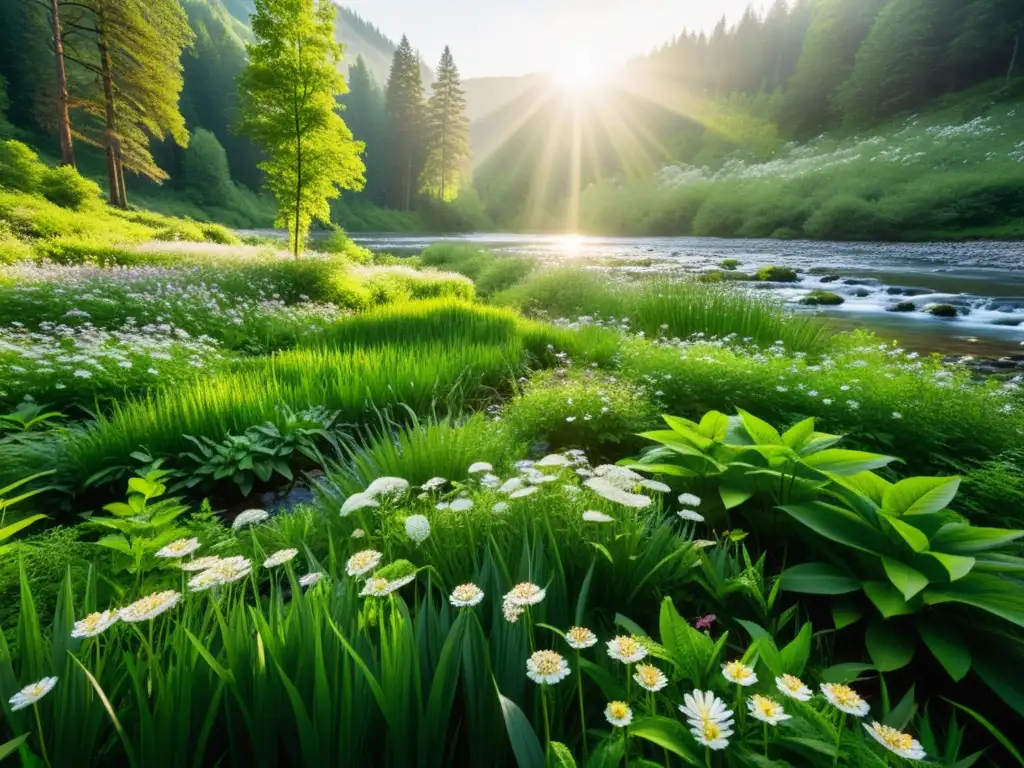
(984, 280)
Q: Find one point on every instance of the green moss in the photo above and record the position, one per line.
(776, 274)
(818, 297)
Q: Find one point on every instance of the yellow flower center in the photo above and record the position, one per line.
(547, 662)
(737, 670)
(892, 738)
(376, 585)
(765, 706)
(627, 646)
(579, 634)
(466, 592)
(618, 709)
(793, 684)
(525, 591)
(650, 675)
(711, 730)
(845, 695)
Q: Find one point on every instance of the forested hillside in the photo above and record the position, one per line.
(747, 92)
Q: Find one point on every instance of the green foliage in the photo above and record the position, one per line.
(339, 244)
(65, 187)
(406, 115)
(490, 273)
(205, 172)
(20, 169)
(777, 274)
(448, 151)
(311, 151)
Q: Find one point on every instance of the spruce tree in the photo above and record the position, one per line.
(364, 113)
(448, 151)
(405, 114)
(288, 94)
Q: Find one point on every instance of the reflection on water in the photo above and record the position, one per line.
(983, 281)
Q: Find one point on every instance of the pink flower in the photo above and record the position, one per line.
(705, 622)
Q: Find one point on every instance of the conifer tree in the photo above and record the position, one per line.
(288, 94)
(364, 110)
(448, 150)
(405, 113)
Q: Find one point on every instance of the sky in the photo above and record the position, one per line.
(514, 37)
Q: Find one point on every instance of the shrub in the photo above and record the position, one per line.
(846, 217)
(339, 244)
(66, 187)
(77, 250)
(20, 168)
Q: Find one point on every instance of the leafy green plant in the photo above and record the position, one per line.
(143, 524)
(7, 501)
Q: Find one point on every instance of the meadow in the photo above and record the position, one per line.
(466, 509)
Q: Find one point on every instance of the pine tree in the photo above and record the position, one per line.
(288, 94)
(364, 113)
(894, 65)
(405, 113)
(448, 150)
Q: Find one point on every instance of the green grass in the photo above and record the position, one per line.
(490, 272)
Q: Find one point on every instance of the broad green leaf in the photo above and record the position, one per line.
(819, 441)
(1002, 597)
(844, 673)
(733, 497)
(867, 484)
(900, 716)
(956, 565)
(962, 539)
(946, 645)
(668, 734)
(525, 745)
(607, 755)
(688, 648)
(761, 431)
(8, 531)
(8, 748)
(920, 496)
(911, 535)
(840, 461)
(839, 525)
(795, 655)
(887, 599)
(818, 579)
(889, 645)
(907, 580)
(116, 542)
(845, 612)
(756, 631)
(714, 425)
(798, 435)
(561, 757)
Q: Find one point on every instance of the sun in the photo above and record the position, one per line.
(579, 70)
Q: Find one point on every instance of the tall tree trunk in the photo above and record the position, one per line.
(298, 187)
(114, 172)
(1013, 58)
(119, 163)
(67, 152)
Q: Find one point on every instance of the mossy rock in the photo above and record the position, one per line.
(818, 298)
(942, 310)
(901, 306)
(776, 274)
(828, 278)
(862, 293)
(730, 264)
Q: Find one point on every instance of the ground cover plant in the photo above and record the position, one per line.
(382, 514)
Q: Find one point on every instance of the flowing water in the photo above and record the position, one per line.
(983, 280)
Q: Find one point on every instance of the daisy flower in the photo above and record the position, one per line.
(580, 638)
(433, 484)
(650, 678)
(626, 649)
(377, 587)
(897, 742)
(396, 584)
(523, 492)
(466, 596)
(94, 624)
(510, 486)
(224, 571)
(179, 548)
(547, 667)
(417, 528)
(280, 558)
(704, 706)
(739, 673)
(387, 486)
(31, 694)
(500, 508)
(608, 490)
(461, 505)
(690, 515)
(592, 516)
(553, 460)
(655, 485)
(618, 714)
(149, 607)
(711, 734)
(358, 501)
(793, 687)
(766, 710)
(845, 699)
(511, 611)
(249, 517)
(358, 533)
(525, 594)
(363, 562)
(310, 579)
(480, 466)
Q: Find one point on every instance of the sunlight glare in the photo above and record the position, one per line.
(579, 70)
